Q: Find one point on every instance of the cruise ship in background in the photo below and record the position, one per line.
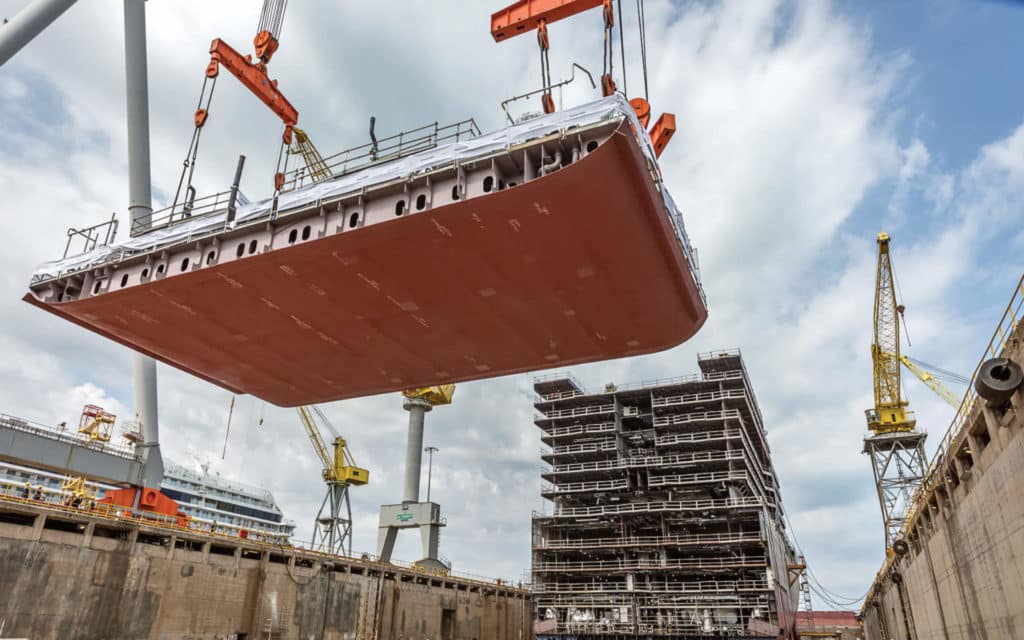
(213, 502)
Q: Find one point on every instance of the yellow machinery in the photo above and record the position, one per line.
(315, 165)
(441, 394)
(332, 531)
(930, 380)
(96, 423)
(895, 445)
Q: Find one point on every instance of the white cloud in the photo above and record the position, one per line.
(787, 120)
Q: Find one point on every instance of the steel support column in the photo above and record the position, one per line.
(27, 24)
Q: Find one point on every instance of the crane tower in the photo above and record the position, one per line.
(895, 445)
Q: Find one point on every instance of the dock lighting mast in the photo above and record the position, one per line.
(895, 445)
(411, 513)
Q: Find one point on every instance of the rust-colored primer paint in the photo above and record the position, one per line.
(579, 266)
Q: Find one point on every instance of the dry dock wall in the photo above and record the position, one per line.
(65, 577)
(963, 575)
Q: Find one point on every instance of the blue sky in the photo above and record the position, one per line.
(805, 128)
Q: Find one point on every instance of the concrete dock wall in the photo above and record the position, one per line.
(963, 576)
(64, 576)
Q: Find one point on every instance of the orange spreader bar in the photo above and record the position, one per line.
(254, 77)
(524, 15)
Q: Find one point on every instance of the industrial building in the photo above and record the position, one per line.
(665, 516)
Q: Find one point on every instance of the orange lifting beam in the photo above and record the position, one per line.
(254, 76)
(526, 15)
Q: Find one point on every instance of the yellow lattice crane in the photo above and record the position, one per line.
(890, 413)
(332, 531)
(895, 445)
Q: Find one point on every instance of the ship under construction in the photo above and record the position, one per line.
(666, 516)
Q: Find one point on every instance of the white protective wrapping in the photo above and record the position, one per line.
(612, 107)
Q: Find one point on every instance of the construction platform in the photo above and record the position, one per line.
(66, 572)
(665, 518)
(549, 243)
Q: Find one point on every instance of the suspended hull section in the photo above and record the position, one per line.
(484, 270)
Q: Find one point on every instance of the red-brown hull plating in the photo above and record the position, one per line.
(579, 266)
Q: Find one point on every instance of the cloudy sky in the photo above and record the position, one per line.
(804, 129)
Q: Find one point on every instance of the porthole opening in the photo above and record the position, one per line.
(455, 192)
(592, 146)
(293, 235)
(400, 207)
(210, 256)
(252, 247)
(159, 269)
(353, 220)
(184, 264)
(488, 184)
(240, 251)
(305, 232)
(145, 273)
(96, 287)
(421, 201)
(124, 280)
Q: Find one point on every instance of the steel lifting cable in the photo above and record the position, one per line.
(622, 51)
(642, 21)
(272, 17)
(189, 164)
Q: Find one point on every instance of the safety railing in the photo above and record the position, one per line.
(700, 436)
(695, 539)
(656, 507)
(682, 459)
(652, 586)
(575, 412)
(633, 386)
(182, 212)
(608, 444)
(69, 436)
(400, 145)
(704, 477)
(652, 564)
(588, 487)
(1007, 326)
(705, 416)
(688, 398)
(580, 429)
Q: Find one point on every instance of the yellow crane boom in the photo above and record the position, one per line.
(933, 383)
(339, 467)
(889, 413)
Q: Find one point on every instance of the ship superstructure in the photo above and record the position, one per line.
(665, 519)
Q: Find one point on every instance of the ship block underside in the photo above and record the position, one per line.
(579, 265)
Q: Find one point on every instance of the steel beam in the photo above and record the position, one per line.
(27, 24)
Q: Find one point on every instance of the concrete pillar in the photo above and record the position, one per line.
(37, 527)
(417, 408)
(90, 530)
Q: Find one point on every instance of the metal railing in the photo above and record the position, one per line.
(578, 487)
(695, 539)
(70, 436)
(705, 416)
(651, 564)
(655, 507)
(700, 436)
(182, 212)
(400, 145)
(630, 386)
(707, 396)
(575, 412)
(695, 458)
(653, 586)
(1007, 326)
(696, 478)
(608, 444)
(580, 429)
